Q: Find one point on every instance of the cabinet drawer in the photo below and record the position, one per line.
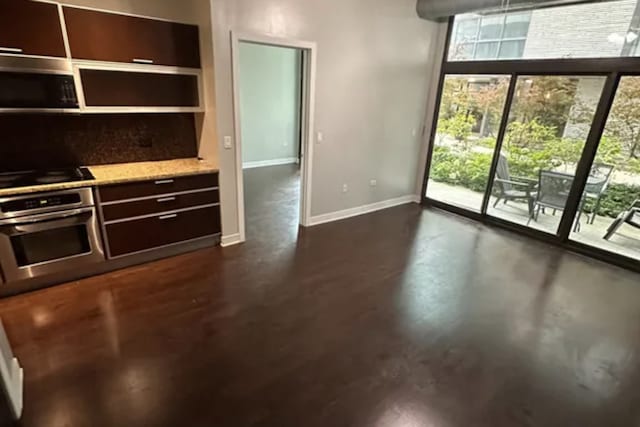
(113, 37)
(143, 234)
(159, 204)
(30, 28)
(134, 190)
(104, 88)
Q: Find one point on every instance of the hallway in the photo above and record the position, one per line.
(272, 201)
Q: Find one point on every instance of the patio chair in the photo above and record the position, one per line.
(553, 193)
(600, 175)
(627, 217)
(512, 188)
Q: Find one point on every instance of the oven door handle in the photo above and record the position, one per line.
(43, 222)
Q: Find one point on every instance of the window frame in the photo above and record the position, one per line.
(499, 40)
(613, 68)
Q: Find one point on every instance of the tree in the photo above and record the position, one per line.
(624, 120)
(455, 97)
(489, 101)
(546, 99)
(480, 98)
(458, 126)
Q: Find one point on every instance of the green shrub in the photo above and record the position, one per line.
(466, 169)
(618, 198)
(458, 126)
(470, 170)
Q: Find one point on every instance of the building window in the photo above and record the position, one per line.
(586, 30)
(489, 37)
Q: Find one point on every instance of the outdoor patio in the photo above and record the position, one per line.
(626, 242)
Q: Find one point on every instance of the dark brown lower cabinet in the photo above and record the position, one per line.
(163, 203)
(158, 187)
(108, 88)
(147, 215)
(148, 233)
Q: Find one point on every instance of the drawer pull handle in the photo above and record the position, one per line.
(11, 49)
(143, 61)
(167, 199)
(166, 217)
(164, 181)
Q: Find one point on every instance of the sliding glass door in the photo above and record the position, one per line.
(467, 127)
(543, 136)
(548, 125)
(609, 214)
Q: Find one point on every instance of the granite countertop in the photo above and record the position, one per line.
(126, 172)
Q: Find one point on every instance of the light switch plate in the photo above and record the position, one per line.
(227, 142)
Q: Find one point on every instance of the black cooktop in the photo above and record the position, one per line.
(33, 178)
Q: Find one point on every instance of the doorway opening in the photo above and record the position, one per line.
(273, 92)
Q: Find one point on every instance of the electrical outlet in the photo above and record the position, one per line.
(227, 143)
(345, 188)
(373, 183)
(320, 137)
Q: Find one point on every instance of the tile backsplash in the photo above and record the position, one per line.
(33, 141)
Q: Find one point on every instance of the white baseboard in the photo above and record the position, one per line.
(232, 239)
(361, 210)
(264, 163)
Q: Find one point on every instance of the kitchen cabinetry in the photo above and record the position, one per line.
(111, 37)
(148, 215)
(30, 28)
(111, 88)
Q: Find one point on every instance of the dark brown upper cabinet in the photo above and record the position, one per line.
(111, 37)
(30, 28)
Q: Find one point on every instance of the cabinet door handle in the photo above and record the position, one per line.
(11, 49)
(164, 181)
(142, 61)
(166, 217)
(167, 199)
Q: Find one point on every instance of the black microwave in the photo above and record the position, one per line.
(37, 90)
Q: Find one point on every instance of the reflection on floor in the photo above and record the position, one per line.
(272, 201)
(404, 317)
(626, 242)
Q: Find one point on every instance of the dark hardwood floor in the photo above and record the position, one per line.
(402, 318)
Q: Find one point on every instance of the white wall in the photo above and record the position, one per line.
(578, 31)
(270, 83)
(375, 64)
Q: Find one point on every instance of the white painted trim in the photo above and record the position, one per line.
(134, 68)
(11, 376)
(230, 240)
(265, 163)
(65, 34)
(361, 210)
(309, 58)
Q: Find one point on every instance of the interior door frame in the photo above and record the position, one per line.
(613, 69)
(309, 61)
